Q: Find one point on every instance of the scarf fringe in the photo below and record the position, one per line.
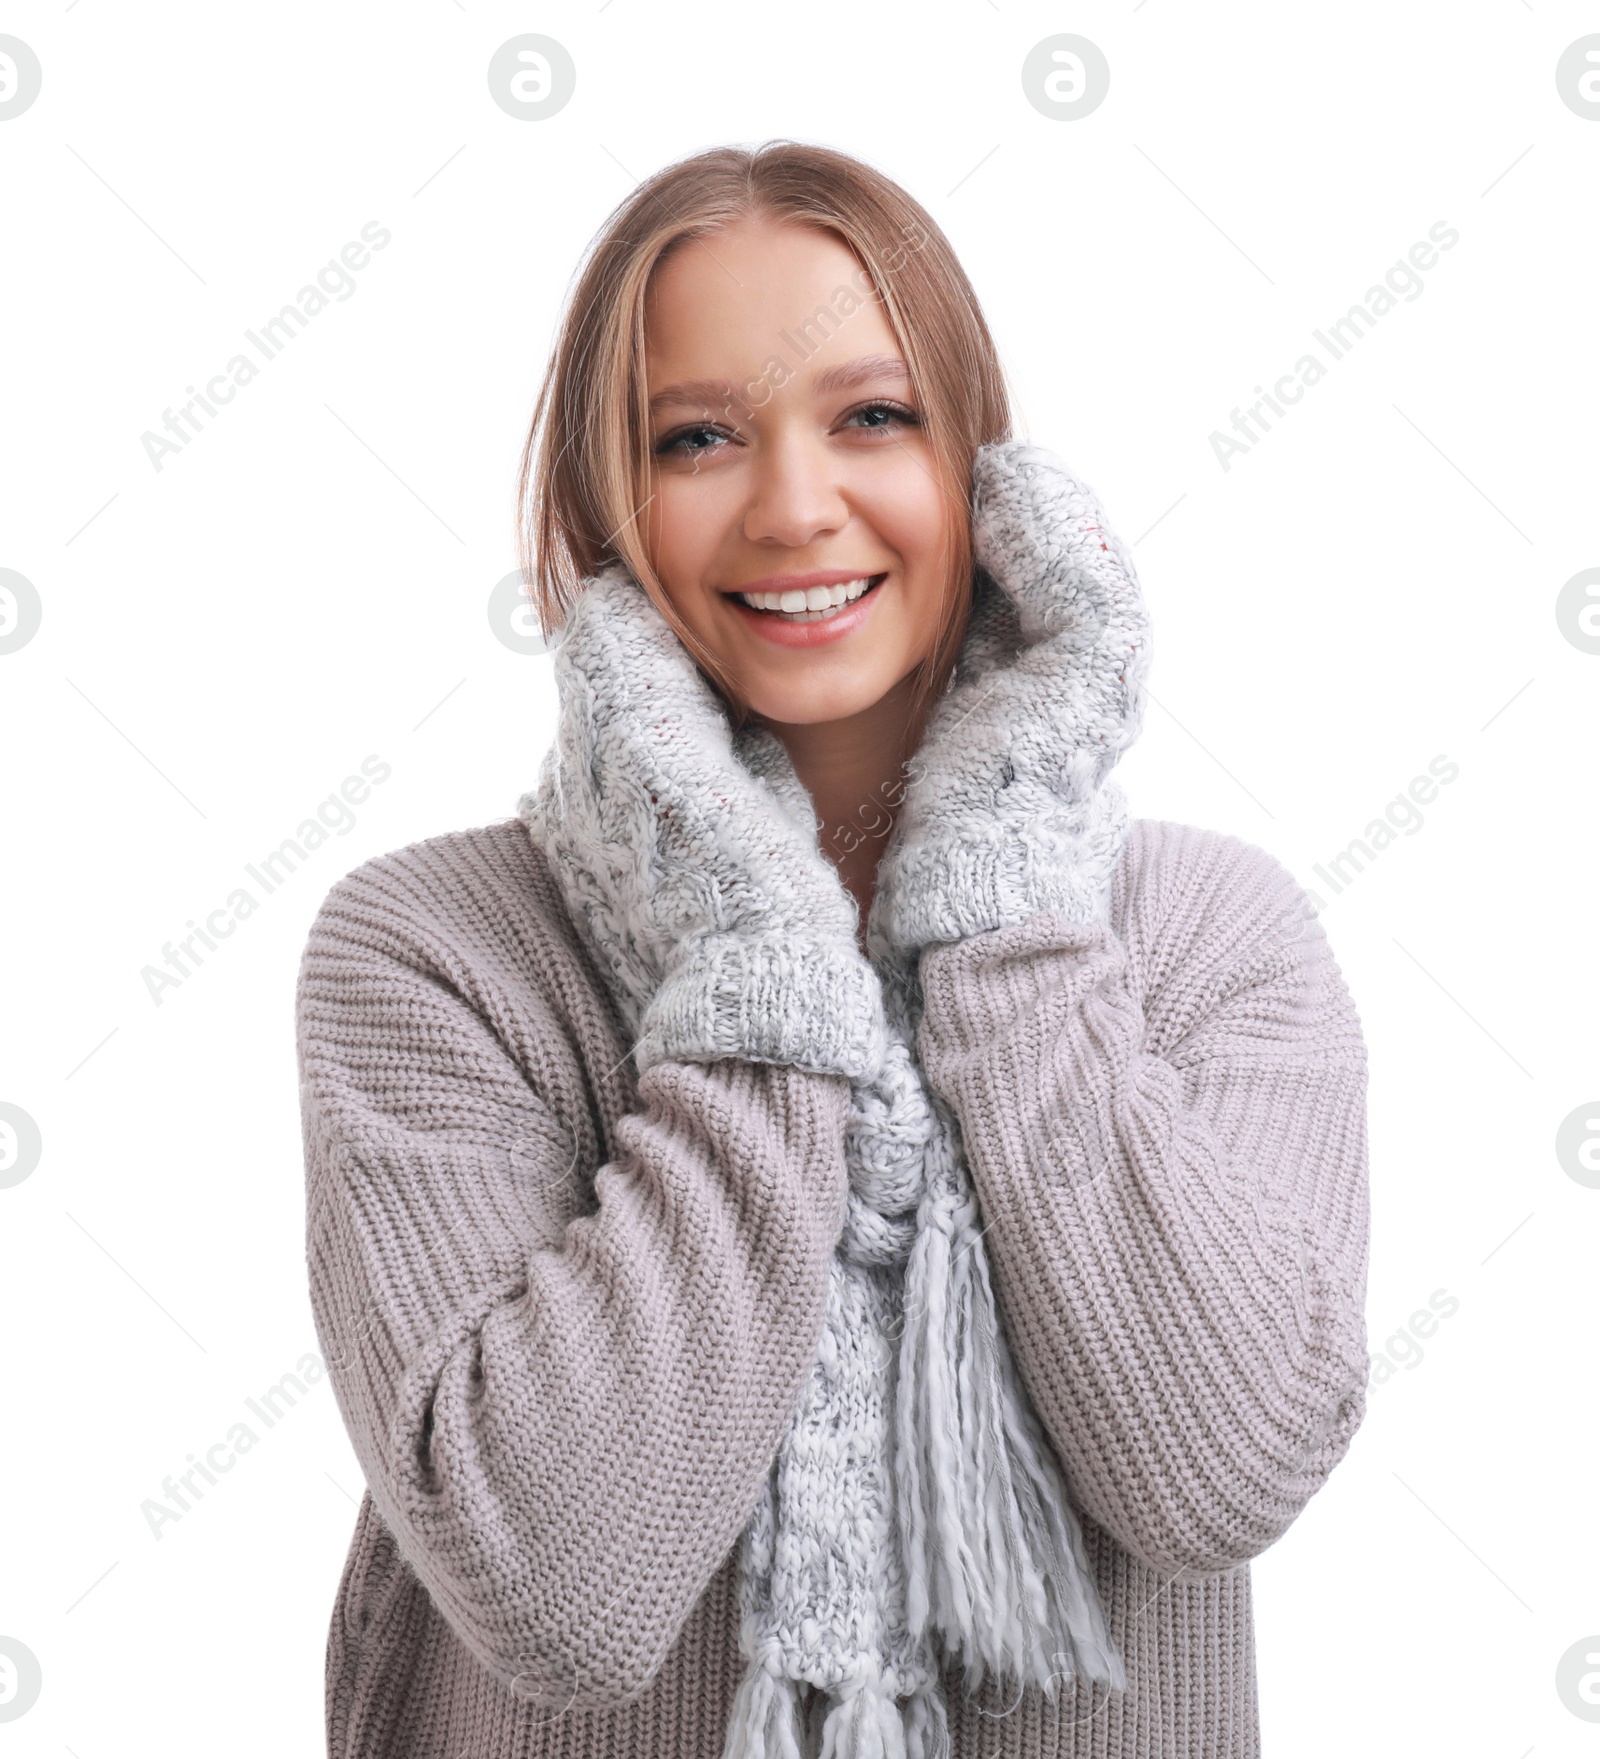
(765, 1720)
(871, 1723)
(868, 1722)
(994, 1553)
(927, 1723)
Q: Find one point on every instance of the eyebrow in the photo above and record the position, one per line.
(866, 368)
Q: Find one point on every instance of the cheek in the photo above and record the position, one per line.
(674, 531)
(910, 516)
(687, 524)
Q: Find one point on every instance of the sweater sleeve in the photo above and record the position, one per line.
(1165, 1118)
(565, 1404)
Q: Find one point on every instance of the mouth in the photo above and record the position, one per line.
(813, 603)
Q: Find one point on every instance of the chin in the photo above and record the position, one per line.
(802, 705)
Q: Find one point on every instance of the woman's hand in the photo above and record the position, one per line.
(694, 854)
(1009, 810)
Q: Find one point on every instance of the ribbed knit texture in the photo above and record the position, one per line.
(568, 1312)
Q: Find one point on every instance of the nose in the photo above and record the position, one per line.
(796, 495)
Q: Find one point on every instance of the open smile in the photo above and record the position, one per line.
(805, 611)
(803, 605)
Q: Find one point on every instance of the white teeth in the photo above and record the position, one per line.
(807, 605)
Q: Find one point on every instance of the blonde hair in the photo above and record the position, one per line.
(588, 447)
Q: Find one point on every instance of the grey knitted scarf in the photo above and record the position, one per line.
(914, 1505)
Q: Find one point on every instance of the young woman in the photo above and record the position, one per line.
(830, 1236)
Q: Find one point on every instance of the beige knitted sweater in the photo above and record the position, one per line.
(568, 1313)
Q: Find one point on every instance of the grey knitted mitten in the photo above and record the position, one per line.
(1009, 810)
(701, 872)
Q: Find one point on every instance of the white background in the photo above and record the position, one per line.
(225, 639)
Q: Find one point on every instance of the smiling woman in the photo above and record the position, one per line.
(773, 379)
(861, 1239)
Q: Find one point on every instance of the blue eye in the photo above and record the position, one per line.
(680, 441)
(895, 412)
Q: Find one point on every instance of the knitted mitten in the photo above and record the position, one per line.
(1009, 810)
(695, 856)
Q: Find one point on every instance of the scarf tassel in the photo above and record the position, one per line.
(872, 1723)
(868, 1723)
(765, 1720)
(994, 1553)
(927, 1723)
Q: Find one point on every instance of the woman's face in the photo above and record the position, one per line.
(789, 458)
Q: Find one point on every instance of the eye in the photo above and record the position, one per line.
(689, 442)
(882, 415)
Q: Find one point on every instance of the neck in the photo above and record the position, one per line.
(852, 769)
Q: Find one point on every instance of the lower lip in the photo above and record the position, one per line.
(773, 626)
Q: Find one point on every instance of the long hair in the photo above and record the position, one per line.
(580, 491)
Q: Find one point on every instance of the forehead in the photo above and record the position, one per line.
(731, 304)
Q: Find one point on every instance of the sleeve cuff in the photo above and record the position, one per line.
(815, 1004)
(1001, 873)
